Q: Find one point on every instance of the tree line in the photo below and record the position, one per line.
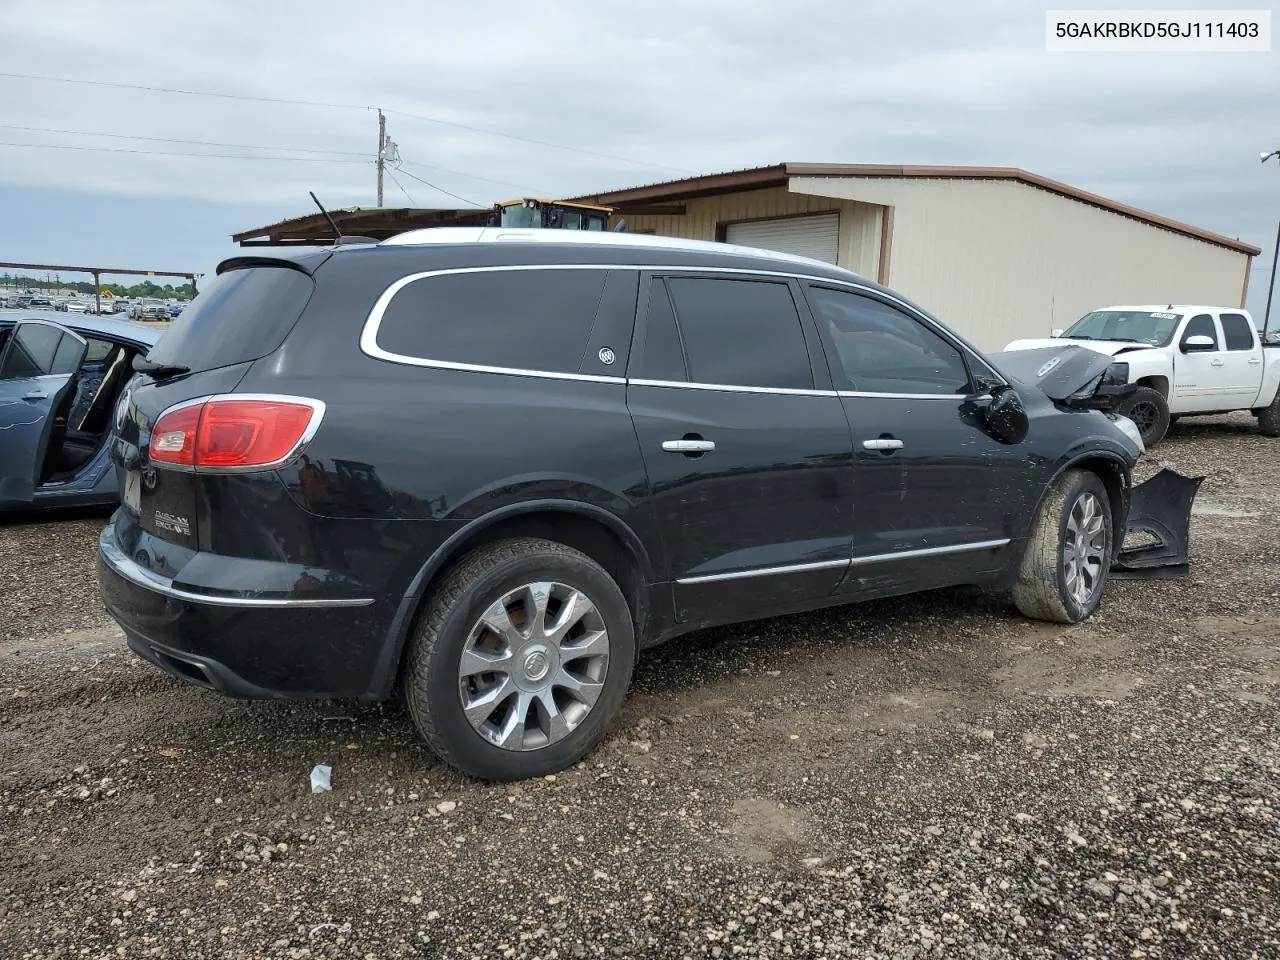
(147, 288)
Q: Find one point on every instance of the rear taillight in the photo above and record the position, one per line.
(234, 432)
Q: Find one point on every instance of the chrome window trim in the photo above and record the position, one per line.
(763, 572)
(931, 551)
(373, 323)
(902, 396)
(126, 568)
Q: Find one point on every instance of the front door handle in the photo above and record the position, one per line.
(1255, 360)
(35, 395)
(883, 444)
(690, 446)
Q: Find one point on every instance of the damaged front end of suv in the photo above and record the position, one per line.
(1157, 528)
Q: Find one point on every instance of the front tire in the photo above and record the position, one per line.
(1068, 557)
(521, 660)
(1149, 410)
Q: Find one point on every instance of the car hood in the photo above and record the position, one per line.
(1109, 348)
(1060, 371)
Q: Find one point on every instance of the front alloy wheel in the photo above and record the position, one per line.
(533, 666)
(1084, 549)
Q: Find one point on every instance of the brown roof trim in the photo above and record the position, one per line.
(779, 174)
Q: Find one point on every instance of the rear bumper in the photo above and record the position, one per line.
(240, 643)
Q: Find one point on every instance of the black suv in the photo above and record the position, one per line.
(488, 466)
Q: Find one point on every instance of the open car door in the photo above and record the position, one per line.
(37, 369)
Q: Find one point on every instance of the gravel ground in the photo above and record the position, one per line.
(929, 777)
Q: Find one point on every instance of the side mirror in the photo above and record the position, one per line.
(1005, 416)
(1198, 344)
(1056, 333)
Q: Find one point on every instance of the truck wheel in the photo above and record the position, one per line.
(521, 660)
(1269, 418)
(1149, 410)
(1069, 552)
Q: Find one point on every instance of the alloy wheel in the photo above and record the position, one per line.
(533, 666)
(1144, 415)
(1084, 550)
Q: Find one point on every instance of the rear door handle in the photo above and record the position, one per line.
(1255, 360)
(882, 443)
(688, 445)
(1217, 363)
(35, 395)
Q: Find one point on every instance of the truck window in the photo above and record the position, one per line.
(1201, 325)
(1237, 331)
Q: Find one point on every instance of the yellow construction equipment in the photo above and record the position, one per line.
(550, 214)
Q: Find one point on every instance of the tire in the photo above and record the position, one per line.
(1269, 418)
(1044, 589)
(450, 626)
(1150, 411)
(1174, 418)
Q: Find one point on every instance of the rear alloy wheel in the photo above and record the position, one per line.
(1068, 556)
(521, 660)
(1149, 411)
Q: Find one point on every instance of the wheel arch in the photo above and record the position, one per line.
(601, 535)
(1156, 382)
(1114, 473)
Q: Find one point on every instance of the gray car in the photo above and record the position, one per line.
(60, 378)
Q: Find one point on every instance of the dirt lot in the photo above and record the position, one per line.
(933, 777)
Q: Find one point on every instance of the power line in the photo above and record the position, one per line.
(396, 181)
(472, 176)
(199, 143)
(188, 93)
(440, 189)
(541, 143)
(173, 153)
(345, 106)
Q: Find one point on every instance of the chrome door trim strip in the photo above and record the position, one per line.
(930, 551)
(764, 572)
(125, 567)
(373, 322)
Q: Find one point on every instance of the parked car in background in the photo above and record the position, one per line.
(39, 303)
(60, 377)
(487, 473)
(76, 306)
(1185, 360)
(175, 311)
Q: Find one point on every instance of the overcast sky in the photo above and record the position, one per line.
(650, 90)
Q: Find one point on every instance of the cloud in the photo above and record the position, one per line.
(695, 86)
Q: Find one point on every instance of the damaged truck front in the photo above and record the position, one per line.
(1158, 524)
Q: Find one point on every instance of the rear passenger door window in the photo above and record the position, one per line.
(1237, 331)
(743, 333)
(529, 320)
(880, 349)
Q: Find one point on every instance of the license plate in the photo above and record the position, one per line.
(133, 491)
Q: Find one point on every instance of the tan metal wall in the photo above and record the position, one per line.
(859, 247)
(998, 259)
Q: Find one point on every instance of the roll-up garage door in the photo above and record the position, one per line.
(815, 237)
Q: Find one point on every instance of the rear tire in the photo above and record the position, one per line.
(1068, 556)
(1150, 411)
(521, 660)
(1269, 418)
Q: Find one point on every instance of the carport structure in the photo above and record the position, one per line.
(97, 273)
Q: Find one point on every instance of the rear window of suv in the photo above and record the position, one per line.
(536, 319)
(242, 315)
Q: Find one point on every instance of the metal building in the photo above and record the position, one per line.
(995, 252)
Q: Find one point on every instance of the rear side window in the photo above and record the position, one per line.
(662, 357)
(1201, 325)
(1237, 331)
(521, 319)
(242, 315)
(741, 333)
(39, 349)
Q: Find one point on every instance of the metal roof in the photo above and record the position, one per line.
(377, 223)
(779, 175)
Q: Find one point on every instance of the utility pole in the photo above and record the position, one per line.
(382, 150)
(1271, 287)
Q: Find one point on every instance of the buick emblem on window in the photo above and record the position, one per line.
(606, 355)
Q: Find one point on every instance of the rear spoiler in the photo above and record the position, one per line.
(306, 263)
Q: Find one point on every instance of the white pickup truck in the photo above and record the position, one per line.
(1186, 360)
